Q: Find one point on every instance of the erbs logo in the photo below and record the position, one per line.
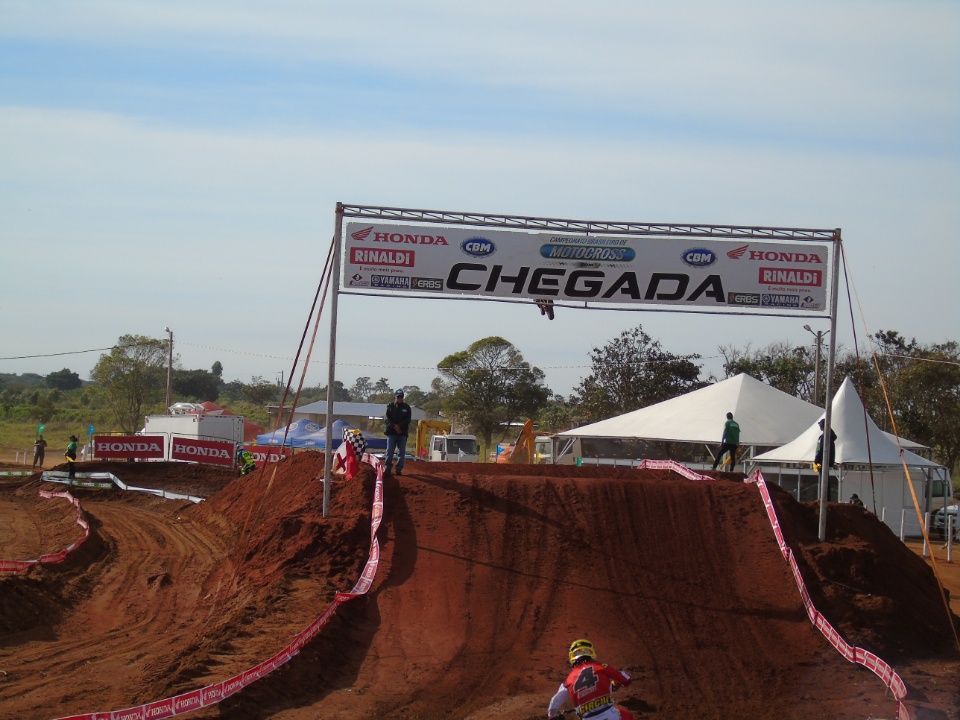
(699, 257)
(478, 247)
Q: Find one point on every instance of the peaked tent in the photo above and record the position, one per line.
(856, 444)
(767, 417)
(869, 464)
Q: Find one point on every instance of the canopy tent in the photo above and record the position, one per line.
(298, 434)
(859, 440)
(306, 434)
(767, 417)
(870, 464)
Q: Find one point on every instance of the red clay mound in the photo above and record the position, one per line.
(487, 572)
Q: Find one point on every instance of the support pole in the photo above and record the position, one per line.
(332, 370)
(828, 402)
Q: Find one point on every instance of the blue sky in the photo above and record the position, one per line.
(178, 163)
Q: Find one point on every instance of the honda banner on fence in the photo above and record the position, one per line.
(686, 273)
(124, 447)
(209, 452)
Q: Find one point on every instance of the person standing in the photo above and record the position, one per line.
(729, 442)
(589, 686)
(396, 425)
(818, 455)
(71, 456)
(39, 449)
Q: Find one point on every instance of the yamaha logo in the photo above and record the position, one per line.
(478, 247)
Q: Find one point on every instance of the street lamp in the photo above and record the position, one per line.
(819, 335)
(169, 365)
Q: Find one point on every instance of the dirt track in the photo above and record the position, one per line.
(486, 574)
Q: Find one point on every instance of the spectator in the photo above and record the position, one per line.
(818, 456)
(729, 443)
(396, 425)
(855, 500)
(39, 448)
(71, 456)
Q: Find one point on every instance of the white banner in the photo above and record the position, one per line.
(681, 272)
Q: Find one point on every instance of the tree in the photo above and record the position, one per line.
(63, 380)
(217, 370)
(631, 372)
(361, 389)
(780, 365)
(340, 393)
(132, 377)
(197, 385)
(921, 384)
(259, 391)
(490, 385)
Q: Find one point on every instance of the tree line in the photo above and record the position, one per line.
(907, 387)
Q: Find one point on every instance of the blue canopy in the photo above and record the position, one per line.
(306, 434)
(300, 433)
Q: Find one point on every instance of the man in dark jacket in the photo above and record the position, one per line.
(818, 455)
(396, 424)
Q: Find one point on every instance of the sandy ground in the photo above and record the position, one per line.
(487, 572)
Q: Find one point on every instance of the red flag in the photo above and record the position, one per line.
(347, 461)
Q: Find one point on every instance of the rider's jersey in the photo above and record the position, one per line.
(589, 686)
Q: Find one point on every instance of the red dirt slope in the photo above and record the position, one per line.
(487, 573)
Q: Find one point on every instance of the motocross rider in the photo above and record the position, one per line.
(589, 686)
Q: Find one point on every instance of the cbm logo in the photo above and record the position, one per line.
(699, 257)
(478, 247)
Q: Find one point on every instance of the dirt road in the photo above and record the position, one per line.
(486, 574)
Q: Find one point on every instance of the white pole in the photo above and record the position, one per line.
(332, 369)
(903, 520)
(926, 535)
(828, 401)
(950, 538)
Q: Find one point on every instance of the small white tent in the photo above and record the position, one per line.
(870, 462)
(859, 440)
(767, 417)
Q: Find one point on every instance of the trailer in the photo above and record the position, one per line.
(209, 436)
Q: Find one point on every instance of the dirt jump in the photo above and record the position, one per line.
(486, 574)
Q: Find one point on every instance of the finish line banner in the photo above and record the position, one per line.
(681, 272)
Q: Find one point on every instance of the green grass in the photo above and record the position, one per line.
(19, 436)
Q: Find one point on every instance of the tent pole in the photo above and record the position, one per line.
(332, 366)
(828, 401)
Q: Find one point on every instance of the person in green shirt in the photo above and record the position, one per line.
(71, 456)
(729, 442)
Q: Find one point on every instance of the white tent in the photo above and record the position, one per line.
(870, 465)
(859, 440)
(767, 417)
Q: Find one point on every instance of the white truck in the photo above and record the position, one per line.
(222, 428)
(454, 448)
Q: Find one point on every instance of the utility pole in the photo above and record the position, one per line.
(169, 365)
(819, 335)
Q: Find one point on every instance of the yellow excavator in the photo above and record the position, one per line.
(425, 430)
(524, 450)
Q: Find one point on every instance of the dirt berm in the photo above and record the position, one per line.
(487, 573)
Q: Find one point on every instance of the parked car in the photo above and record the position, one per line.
(940, 518)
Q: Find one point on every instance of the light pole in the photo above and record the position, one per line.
(169, 365)
(819, 335)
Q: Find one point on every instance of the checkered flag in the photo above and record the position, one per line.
(357, 439)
